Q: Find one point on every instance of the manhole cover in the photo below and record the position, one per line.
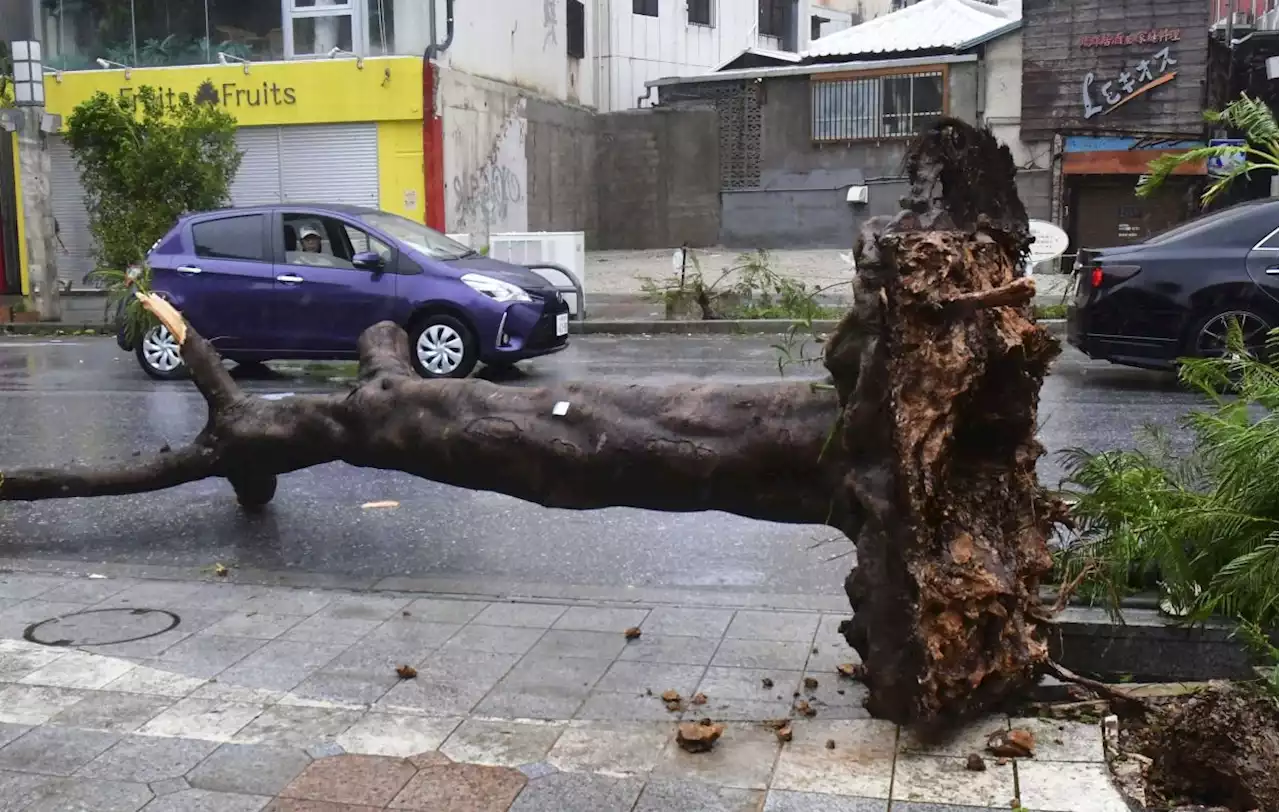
(101, 627)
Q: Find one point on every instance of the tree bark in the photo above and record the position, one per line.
(923, 451)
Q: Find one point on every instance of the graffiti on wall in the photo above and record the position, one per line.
(488, 194)
(549, 23)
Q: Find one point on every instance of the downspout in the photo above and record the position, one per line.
(432, 123)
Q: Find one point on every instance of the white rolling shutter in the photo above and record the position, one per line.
(75, 251)
(257, 183)
(330, 163)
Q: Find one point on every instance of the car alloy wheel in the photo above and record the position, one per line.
(1211, 341)
(159, 353)
(443, 347)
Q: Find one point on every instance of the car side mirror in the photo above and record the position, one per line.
(367, 260)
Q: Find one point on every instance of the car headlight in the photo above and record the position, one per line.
(495, 288)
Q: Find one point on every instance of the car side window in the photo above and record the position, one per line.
(1271, 242)
(362, 243)
(237, 237)
(316, 241)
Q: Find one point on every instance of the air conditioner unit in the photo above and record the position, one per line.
(1268, 21)
(564, 248)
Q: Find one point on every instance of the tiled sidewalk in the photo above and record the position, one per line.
(267, 697)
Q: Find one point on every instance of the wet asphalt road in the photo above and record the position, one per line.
(83, 399)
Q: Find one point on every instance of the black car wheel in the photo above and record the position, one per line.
(1208, 337)
(441, 346)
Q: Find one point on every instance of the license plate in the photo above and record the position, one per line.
(562, 324)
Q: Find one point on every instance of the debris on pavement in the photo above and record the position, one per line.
(674, 701)
(810, 683)
(831, 744)
(784, 733)
(220, 570)
(632, 633)
(975, 763)
(406, 672)
(698, 699)
(852, 670)
(805, 709)
(766, 683)
(698, 737)
(1016, 743)
(386, 503)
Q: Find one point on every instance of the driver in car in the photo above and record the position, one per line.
(310, 252)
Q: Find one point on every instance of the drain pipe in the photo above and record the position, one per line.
(432, 124)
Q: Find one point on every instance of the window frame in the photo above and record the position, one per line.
(777, 14)
(264, 244)
(575, 42)
(357, 11)
(281, 214)
(710, 22)
(941, 71)
(639, 8)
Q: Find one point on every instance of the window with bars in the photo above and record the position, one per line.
(773, 17)
(645, 8)
(896, 106)
(700, 12)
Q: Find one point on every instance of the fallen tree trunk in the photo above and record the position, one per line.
(923, 451)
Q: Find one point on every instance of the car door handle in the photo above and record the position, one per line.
(290, 278)
(1273, 271)
(189, 270)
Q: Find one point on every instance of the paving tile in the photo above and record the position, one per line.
(493, 639)
(633, 677)
(331, 630)
(279, 665)
(394, 734)
(285, 601)
(206, 655)
(832, 650)
(543, 688)
(54, 750)
(365, 607)
(368, 780)
(861, 764)
(528, 615)
(35, 704)
(412, 633)
(15, 619)
(148, 648)
(743, 758)
(667, 795)
(618, 749)
(502, 742)
(85, 590)
(76, 669)
(1059, 786)
(371, 657)
(461, 788)
(439, 610)
(739, 710)
(538, 769)
(10, 732)
(448, 684)
(89, 795)
(18, 790)
(113, 712)
(837, 697)
(971, 738)
(344, 689)
(202, 800)
(783, 801)
(578, 792)
(284, 726)
(681, 622)
(946, 779)
(223, 692)
(155, 682)
(145, 759)
(251, 769)
(669, 649)
(295, 805)
(185, 595)
(559, 643)
(208, 719)
(911, 806)
(14, 665)
(629, 706)
(252, 623)
(762, 654)
(1060, 740)
(784, 626)
(601, 619)
(168, 786)
(20, 586)
(750, 683)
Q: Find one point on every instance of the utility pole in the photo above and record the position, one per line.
(32, 126)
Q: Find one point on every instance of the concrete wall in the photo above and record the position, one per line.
(560, 153)
(658, 178)
(1002, 107)
(800, 202)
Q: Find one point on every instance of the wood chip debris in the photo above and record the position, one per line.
(698, 699)
(975, 763)
(784, 733)
(852, 670)
(386, 503)
(1016, 743)
(805, 709)
(632, 633)
(698, 737)
(406, 672)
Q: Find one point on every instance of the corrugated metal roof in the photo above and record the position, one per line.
(927, 25)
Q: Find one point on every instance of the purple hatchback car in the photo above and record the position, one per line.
(303, 281)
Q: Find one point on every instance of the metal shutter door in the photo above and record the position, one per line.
(66, 195)
(330, 163)
(257, 182)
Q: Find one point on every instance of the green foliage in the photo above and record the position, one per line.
(1261, 151)
(750, 289)
(1205, 523)
(143, 164)
(1051, 311)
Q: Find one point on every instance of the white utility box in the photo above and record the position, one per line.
(465, 239)
(564, 248)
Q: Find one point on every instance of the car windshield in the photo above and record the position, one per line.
(417, 236)
(1201, 224)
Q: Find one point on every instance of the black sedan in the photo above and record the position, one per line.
(1175, 295)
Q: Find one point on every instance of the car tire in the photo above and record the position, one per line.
(1255, 324)
(442, 346)
(159, 356)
